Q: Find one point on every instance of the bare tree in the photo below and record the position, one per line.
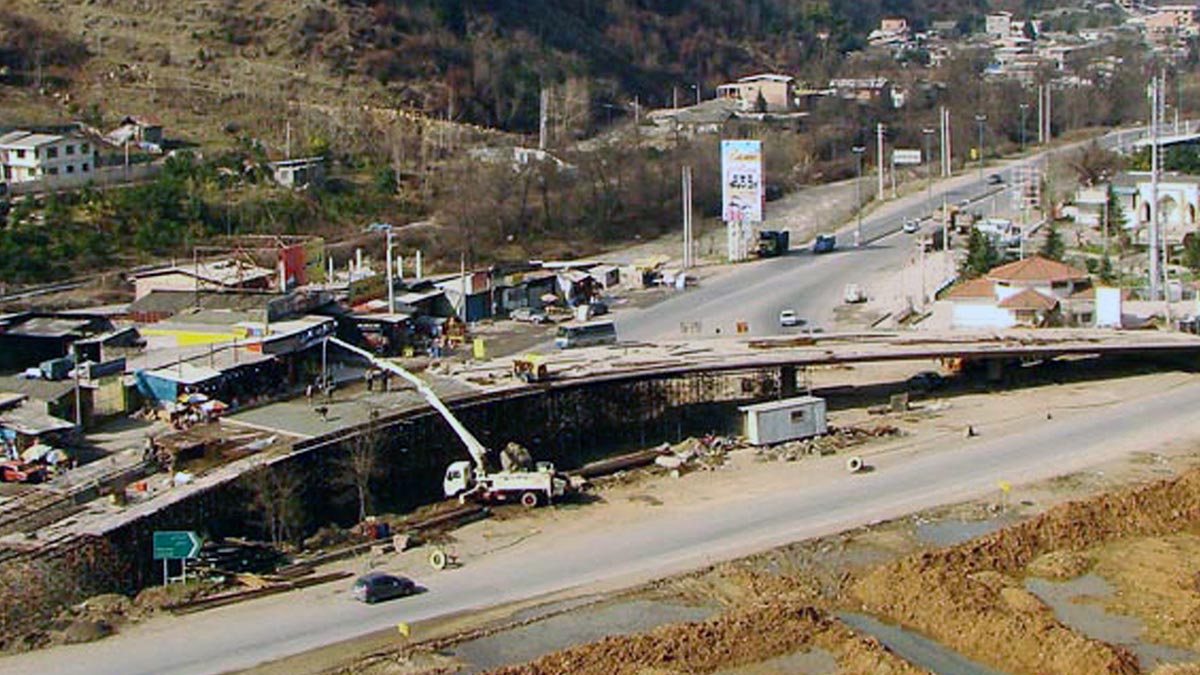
(360, 465)
(277, 495)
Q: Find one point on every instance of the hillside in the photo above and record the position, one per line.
(479, 62)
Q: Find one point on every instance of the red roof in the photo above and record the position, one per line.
(973, 288)
(1035, 269)
(1029, 299)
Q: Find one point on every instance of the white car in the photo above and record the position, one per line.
(912, 226)
(788, 318)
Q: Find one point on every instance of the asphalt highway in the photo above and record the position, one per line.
(812, 284)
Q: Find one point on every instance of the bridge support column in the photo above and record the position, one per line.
(787, 381)
(995, 370)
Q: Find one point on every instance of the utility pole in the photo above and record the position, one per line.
(687, 217)
(1024, 109)
(945, 142)
(391, 280)
(879, 156)
(859, 151)
(1154, 273)
(928, 133)
(544, 119)
(1041, 114)
(674, 97)
(697, 86)
(980, 119)
(287, 139)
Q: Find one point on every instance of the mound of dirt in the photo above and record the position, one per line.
(942, 593)
(742, 636)
(85, 630)
(1060, 565)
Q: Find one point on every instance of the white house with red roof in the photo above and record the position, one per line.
(1034, 292)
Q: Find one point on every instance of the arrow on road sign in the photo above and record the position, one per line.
(176, 544)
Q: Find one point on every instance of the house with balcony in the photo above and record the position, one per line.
(27, 156)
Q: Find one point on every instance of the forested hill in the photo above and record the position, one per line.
(492, 56)
(481, 61)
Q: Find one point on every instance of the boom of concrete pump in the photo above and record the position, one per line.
(474, 478)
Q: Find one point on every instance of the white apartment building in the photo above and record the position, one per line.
(27, 156)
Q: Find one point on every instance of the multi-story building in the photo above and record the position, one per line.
(778, 92)
(27, 156)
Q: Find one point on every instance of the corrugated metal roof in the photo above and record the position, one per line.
(32, 422)
(30, 141)
(49, 327)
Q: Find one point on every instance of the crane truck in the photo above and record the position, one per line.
(474, 478)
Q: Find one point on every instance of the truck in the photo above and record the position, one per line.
(773, 243)
(517, 479)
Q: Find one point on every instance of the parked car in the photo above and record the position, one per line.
(927, 380)
(21, 472)
(995, 179)
(375, 586)
(912, 226)
(824, 243)
(788, 318)
(529, 315)
(599, 308)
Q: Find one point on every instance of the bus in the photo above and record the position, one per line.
(586, 335)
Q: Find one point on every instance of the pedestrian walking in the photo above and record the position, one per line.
(370, 378)
(309, 391)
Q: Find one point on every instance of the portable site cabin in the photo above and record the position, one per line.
(786, 420)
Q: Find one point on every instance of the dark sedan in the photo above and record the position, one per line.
(375, 586)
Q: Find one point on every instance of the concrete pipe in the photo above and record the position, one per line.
(854, 464)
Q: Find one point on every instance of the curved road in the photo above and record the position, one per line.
(825, 501)
(813, 284)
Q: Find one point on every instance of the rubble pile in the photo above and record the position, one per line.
(704, 453)
(838, 438)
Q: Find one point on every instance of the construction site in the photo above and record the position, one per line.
(1088, 572)
(617, 433)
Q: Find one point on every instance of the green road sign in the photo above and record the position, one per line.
(174, 545)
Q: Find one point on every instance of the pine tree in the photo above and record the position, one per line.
(760, 104)
(1106, 272)
(981, 255)
(1053, 247)
(1115, 216)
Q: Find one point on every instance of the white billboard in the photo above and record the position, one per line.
(742, 193)
(905, 157)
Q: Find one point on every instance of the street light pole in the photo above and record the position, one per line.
(980, 118)
(858, 156)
